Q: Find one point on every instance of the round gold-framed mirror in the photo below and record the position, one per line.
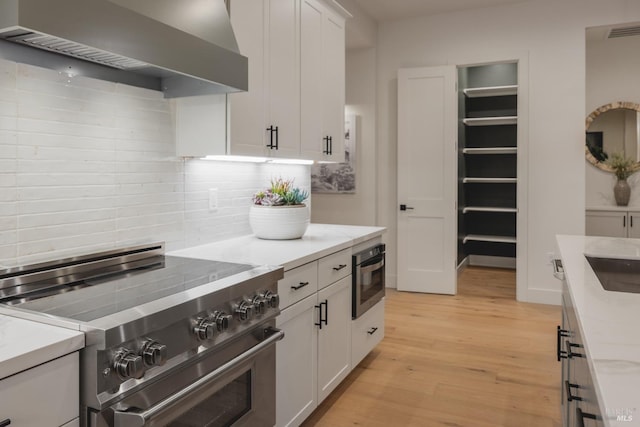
(613, 128)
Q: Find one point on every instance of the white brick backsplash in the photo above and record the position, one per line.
(88, 165)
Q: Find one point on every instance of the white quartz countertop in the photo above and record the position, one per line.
(25, 344)
(609, 323)
(318, 241)
(613, 208)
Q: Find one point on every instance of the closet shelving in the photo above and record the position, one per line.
(489, 118)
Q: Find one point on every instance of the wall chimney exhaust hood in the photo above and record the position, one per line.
(179, 47)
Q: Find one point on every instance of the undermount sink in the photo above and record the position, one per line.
(617, 274)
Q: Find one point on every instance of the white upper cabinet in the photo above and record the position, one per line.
(322, 77)
(265, 120)
(294, 107)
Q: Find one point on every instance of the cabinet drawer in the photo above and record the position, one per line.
(44, 396)
(334, 267)
(298, 283)
(366, 332)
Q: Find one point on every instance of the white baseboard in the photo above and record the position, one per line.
(544, 296)
(463, 264)
(492, 261)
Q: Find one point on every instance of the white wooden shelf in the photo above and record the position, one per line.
(486, 209)
(480, 92)
(489, 180)
(491, 150)
(486, 238)
(491, 121)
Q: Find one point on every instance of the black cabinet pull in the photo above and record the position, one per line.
(372, 331)
(580, 416)
(277, 138)
(631, 221)
(570, 397)
(624, 221)
(5, 423)
(561, 353)
(330, 145)
(301, 285)
(570, 353)
(326, 149)
(406, 208)
(325, 303)
(339, 267)
(326, 311)
(273, 142)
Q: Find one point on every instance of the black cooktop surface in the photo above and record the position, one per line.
(102, 292)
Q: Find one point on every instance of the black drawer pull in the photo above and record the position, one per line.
(301, 285)
(561, 333)
(570, 397)
(580, 416)
(372, 331)
(570, 353)
(340, 267)
(5, 423)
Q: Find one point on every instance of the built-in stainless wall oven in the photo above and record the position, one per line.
(368, 278)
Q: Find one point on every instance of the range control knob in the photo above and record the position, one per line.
(273, 300)
(260, 304)
(153, 353)
(244, 311)
(128, 364)
(223, 320)
(204, 328)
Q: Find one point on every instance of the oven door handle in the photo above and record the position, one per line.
(143, 418)
(371, 268)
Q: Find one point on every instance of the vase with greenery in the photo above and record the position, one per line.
(623, 167)
(279, 212)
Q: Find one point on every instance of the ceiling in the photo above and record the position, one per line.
(394, 10)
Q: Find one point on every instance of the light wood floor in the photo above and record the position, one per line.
(479, 358)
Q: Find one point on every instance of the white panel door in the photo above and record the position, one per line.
(283, 76)
(427, 171)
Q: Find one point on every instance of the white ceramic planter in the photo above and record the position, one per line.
(279, 222)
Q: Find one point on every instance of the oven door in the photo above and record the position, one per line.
(368, 284)
(234, 386)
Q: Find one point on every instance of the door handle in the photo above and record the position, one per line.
(5, 423)
(406, 208)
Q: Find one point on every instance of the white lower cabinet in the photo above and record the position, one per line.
(44, 396)
(296, 363)
(366, 332)
(334, 336)
(315, 354)
(612, 223)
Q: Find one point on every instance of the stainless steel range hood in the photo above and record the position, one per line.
(181, 47)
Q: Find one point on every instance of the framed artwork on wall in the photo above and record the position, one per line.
(337, 178)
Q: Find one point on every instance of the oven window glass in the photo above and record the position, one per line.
(223, 408)
(371, 281)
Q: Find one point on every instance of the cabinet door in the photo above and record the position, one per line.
(247, 109)
(311, 80)
(633, 228)
(606, 223)
(333, 62)
(283, 76)
(296, 363)
(334, 339)
(46, 395)
(322, 75)
(366, 332)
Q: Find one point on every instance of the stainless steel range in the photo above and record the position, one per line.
(169, 341)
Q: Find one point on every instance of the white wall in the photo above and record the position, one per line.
(552, 35)
(611, 75)
(358, 208)
(87, 165)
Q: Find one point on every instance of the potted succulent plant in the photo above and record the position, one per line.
(279, 212)
(622, 167)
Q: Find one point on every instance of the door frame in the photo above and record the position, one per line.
(522, 224)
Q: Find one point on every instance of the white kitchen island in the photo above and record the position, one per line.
(609, 325)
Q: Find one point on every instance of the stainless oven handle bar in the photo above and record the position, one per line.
(371, 268)
(140, 419)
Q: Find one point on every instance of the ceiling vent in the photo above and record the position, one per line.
(624, 32)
